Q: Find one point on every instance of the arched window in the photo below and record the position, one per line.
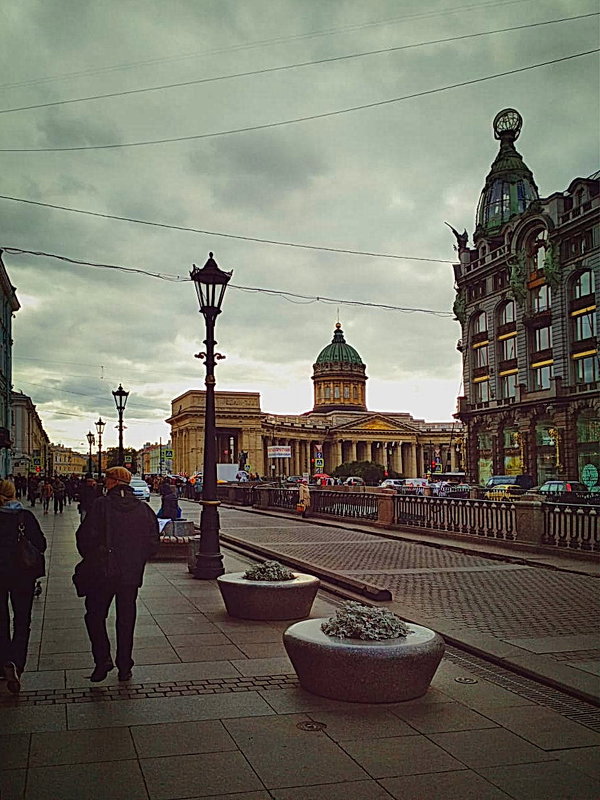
(479, 322)
(507, 313)
(583, 284)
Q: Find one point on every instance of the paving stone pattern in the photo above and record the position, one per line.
(215, 711)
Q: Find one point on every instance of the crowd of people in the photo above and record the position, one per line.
(116, 537)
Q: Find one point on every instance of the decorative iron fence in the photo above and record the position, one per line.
(283, 498)
(487, 518)
(351, 505)
(573, 526)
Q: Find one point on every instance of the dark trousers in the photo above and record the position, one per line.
(97, 606)
(13, 645)
(59, 501)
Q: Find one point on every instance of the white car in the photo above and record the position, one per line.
(140, 488)
(392, 483)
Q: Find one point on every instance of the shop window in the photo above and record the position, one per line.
(542, 338)
(540, 377)
(508, 386)
(508, 349)
(513, 463)
(588, 448)
(485, 464)
(587, 369)
(584, 325)
(548, 450)
(583, 284)
(540, 298)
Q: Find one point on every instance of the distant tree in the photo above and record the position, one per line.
(369, 471)
(129, 457)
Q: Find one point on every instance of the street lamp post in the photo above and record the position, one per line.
(91, 441)
(120, 396)
(100, 428)
(210, 282)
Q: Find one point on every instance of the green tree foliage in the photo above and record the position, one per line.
(129, 457)
(369, 471)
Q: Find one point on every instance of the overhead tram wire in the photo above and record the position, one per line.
(259, 43)
(297, 120)
(260, 290)
(285, 67)
(275, 242)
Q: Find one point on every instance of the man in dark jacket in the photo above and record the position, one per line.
(128, 528)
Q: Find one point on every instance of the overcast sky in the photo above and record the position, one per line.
(381, 180)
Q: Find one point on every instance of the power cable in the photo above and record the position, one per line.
(296, 120)
(259, 43)
(16, 250)
(279, 292)
(284, 67)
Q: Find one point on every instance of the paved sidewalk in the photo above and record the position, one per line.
(540, 618)
(214, 710)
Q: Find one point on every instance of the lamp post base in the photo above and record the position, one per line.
(208, 566)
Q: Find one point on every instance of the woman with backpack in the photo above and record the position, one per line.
(21, 563)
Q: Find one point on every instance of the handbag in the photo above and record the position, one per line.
(300, 508)
(98, 568)
(28, 557)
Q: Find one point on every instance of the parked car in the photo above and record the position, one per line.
(140, 488)
(504, 491)
(414, 485)
(392, 483)
(567, 491)
(294, 480)
(523, 482)
(459, 490)
(354, 480)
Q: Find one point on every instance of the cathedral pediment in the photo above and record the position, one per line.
(374, 424)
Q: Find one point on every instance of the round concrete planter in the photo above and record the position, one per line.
(245, 599)
(387, 671)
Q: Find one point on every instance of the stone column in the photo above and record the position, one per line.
(353, 451)
(397, 458)
(337, 453)
(412, 460)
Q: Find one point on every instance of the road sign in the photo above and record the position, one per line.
(37, 462)
(319, 463)
(168, 454)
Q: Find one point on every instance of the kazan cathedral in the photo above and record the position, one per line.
(338, 429)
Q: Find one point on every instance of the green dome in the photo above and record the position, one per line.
(338, 351)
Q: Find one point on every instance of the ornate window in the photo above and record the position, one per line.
(542, 338)
(508, 385)
(480, 322)
(481, 390)
(584, 326)
(587, 369)
(540, 376)
(583, 284)
(540, 298)
(336, 392)
(480, 356)
(507, 313)
(508, 348)
(327, 393)
(346, 392)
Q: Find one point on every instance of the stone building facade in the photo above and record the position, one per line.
(9, 305)
(338, 429)
(527, 301)
(30, 450)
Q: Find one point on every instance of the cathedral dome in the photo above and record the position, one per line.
(339, 351)
(509, 187)
(339, 377)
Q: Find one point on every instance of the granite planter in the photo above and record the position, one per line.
(269, 600)
(386, 671)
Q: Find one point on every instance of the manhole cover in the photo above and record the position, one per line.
(465, 680)
(311, 726)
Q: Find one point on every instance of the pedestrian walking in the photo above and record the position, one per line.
(169, 508)
(304, 496)
(46, 492)
(58, 489)
(17, 582)
(87, 494)
(117, 537)
(32, 490)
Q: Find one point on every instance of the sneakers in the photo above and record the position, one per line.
(100, 672)
(11, 673)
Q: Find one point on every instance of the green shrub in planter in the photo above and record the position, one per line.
(269, 571)
(357, 621)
